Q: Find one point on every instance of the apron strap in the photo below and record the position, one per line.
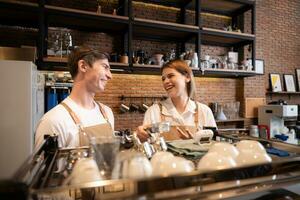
(72, 114)
(196, 115)
(162, 116)
(102, 111)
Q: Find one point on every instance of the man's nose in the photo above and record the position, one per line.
(109, 75)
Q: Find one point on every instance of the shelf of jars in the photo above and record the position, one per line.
(59, 63)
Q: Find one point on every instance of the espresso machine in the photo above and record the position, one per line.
(272, 118)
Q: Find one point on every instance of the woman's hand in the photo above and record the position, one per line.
(142, 133)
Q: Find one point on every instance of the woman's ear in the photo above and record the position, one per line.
(82, 66)
(187, 79)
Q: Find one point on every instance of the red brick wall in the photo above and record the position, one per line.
(277, 43)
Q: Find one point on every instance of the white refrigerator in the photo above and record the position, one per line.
(21, 107)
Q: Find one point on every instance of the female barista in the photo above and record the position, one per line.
(185, 115)
(79, 116)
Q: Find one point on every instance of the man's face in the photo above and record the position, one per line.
(97, 76)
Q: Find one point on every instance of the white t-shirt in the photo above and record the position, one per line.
(205, 115)
(58, 121)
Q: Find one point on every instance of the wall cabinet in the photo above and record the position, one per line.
(41, 16)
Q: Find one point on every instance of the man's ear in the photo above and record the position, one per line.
(82, 66)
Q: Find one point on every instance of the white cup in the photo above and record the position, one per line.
(160, 157)
(85, 170)
(214, 161)
(224, 149)
(250, 145)
(173, 165)
(251, 158)
(131, 165)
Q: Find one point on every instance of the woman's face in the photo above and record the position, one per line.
(174, 82)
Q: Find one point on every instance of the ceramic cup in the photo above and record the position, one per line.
(224, 149)
(132, 165)
(251, 158)
(214, 161)
(250, 145)
(173, 165)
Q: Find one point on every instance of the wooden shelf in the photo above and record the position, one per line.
(222, 7)
(85, 20)
(225, 7)
(60, 64)
(217, 37)
(283, 93)
(231, 120)
(17, 13)
(225, 73)
(146, 29)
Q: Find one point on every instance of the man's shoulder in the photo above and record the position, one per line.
(56, 114)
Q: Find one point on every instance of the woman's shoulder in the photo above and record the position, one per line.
(203, 106)
(154, 107)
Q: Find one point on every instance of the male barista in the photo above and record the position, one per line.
(79, 117)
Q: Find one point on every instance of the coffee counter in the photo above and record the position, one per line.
(280, 177)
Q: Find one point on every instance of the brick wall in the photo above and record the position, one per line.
(277, 43)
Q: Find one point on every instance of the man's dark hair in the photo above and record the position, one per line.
(89, 55)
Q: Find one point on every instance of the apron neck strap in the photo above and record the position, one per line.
(102, 111)
(76, 119)
(196, 120)
(72, 114)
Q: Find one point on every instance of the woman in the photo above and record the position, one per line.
(185, 115)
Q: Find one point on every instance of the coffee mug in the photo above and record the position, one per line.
(224, 149)
(133, 107)
(215, 161)
(143, 108)
(123, 108)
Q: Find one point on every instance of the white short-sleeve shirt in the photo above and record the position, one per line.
(205, 115)
(58, 121)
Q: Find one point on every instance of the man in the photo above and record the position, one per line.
(79, 117)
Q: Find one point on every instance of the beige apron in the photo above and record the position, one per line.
(91, 131)
(180, 131)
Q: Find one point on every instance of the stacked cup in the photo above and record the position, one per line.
(224, 156)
